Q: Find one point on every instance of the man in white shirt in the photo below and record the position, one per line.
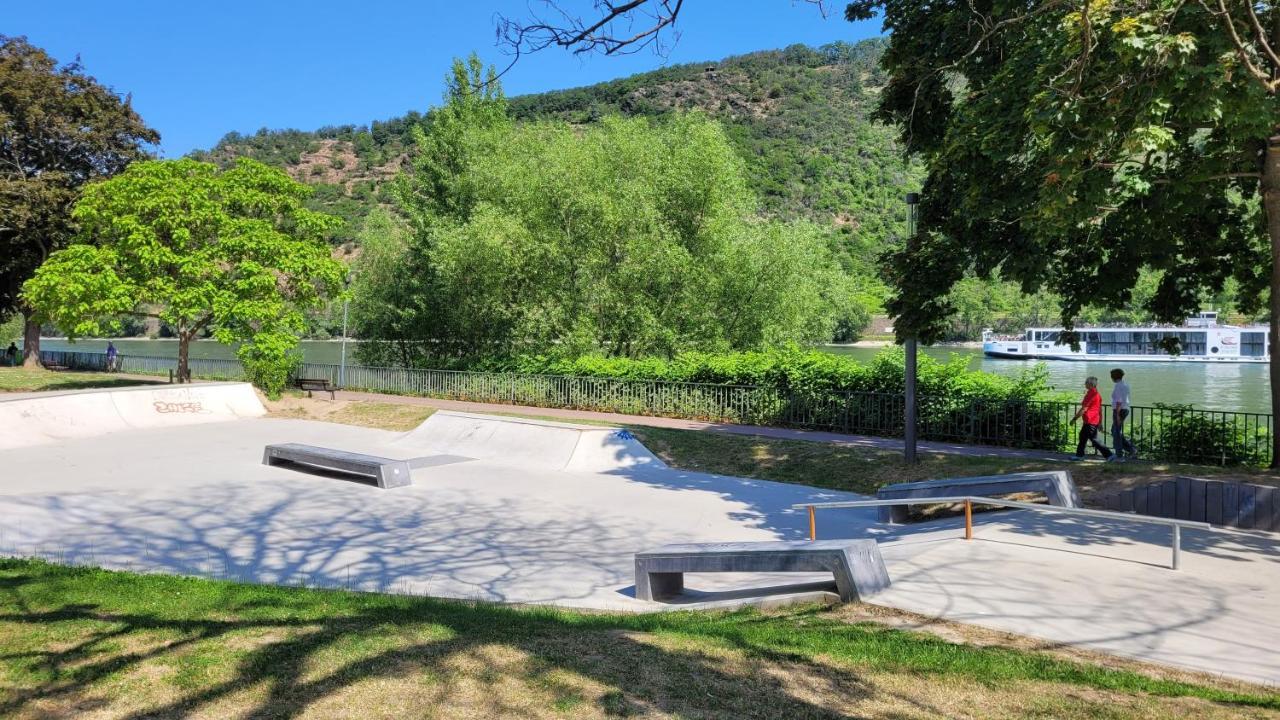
(1121, 404)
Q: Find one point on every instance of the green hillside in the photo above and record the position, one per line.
(798, 116)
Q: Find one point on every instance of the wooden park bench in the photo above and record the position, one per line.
(856, 564)
(309, 384)
(1055, 484)
(388, 473)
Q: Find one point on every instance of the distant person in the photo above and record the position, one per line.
(111, 356)
(11, 355)
(1120, 411)
(1091, 410)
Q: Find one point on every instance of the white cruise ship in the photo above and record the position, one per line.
(1202, 340)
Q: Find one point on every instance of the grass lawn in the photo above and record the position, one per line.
(91, 643)
(38, 380)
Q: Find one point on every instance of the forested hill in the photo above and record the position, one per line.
(799, 116)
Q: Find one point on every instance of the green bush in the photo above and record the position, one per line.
(1182, 434)
(269, 360)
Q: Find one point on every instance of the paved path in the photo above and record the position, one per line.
(864, 441)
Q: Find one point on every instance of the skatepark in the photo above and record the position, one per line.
(171, 479)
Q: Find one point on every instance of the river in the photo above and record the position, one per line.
(1211, 386)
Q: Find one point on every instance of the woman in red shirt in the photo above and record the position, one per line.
(1091, 409)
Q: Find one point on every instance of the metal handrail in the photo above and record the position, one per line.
(971, 500)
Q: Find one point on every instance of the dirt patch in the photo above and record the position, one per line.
(384, 416)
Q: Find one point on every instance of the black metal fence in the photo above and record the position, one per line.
(1161, 433)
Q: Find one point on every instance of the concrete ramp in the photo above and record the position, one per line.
(51, 417)
(530, 443)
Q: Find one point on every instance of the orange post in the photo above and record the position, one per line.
(813, 525)
(968, 519)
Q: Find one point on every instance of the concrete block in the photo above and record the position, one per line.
(1248, 505)
(1197, 504)
(1127, 500)
(386, 472)
(1230, 504)
(1213, 502)
(1168, 498)
(1182, 508)
(856, 565)
(1275, 508)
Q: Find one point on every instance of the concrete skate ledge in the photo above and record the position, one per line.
(856, 565)
(388, 473)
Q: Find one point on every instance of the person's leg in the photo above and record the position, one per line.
(1097, 445)
(1083, 440)
(1117, 432)
(1129, 447)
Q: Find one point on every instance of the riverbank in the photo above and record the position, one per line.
(1226, 387)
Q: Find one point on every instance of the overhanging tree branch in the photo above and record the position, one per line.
(617, 28)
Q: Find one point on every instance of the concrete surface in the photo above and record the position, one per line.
(38, 419)
(529, 443)
(195, 500)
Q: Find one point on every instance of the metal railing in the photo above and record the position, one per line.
(1161, 433)
(971, 500)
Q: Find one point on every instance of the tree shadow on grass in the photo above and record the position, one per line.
(639, 675)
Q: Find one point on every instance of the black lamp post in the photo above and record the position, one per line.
(909, 409)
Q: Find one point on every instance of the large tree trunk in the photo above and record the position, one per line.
(1271, 206)
(30, 340)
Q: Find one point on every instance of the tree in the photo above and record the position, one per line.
(1072, 145)
(629, 237)
(59, 129)
(234, 253)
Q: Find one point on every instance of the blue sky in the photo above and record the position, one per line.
(200, 69)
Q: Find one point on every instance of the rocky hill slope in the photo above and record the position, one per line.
(799, 116)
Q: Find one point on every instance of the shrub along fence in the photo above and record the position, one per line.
(1180, 434)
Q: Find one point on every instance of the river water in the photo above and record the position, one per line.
(1212, 386)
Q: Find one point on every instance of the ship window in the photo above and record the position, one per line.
(1092, 343)
(1193, 343)
(1253, 344)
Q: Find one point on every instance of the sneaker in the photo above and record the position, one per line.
(1114, 459)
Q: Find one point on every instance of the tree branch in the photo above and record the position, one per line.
(1242, 49)
(1261, 35)
(611, 32)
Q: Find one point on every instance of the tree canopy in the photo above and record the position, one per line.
(630, 236)
(59, 129)
(1076, 146)
(1071, 147)
(233, 253)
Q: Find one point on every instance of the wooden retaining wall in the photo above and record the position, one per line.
(1217, 502)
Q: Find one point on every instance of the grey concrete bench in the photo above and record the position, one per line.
(1055, 484)
(856, 564)
(387, 472)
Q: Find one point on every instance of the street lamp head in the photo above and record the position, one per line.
(913, 198)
